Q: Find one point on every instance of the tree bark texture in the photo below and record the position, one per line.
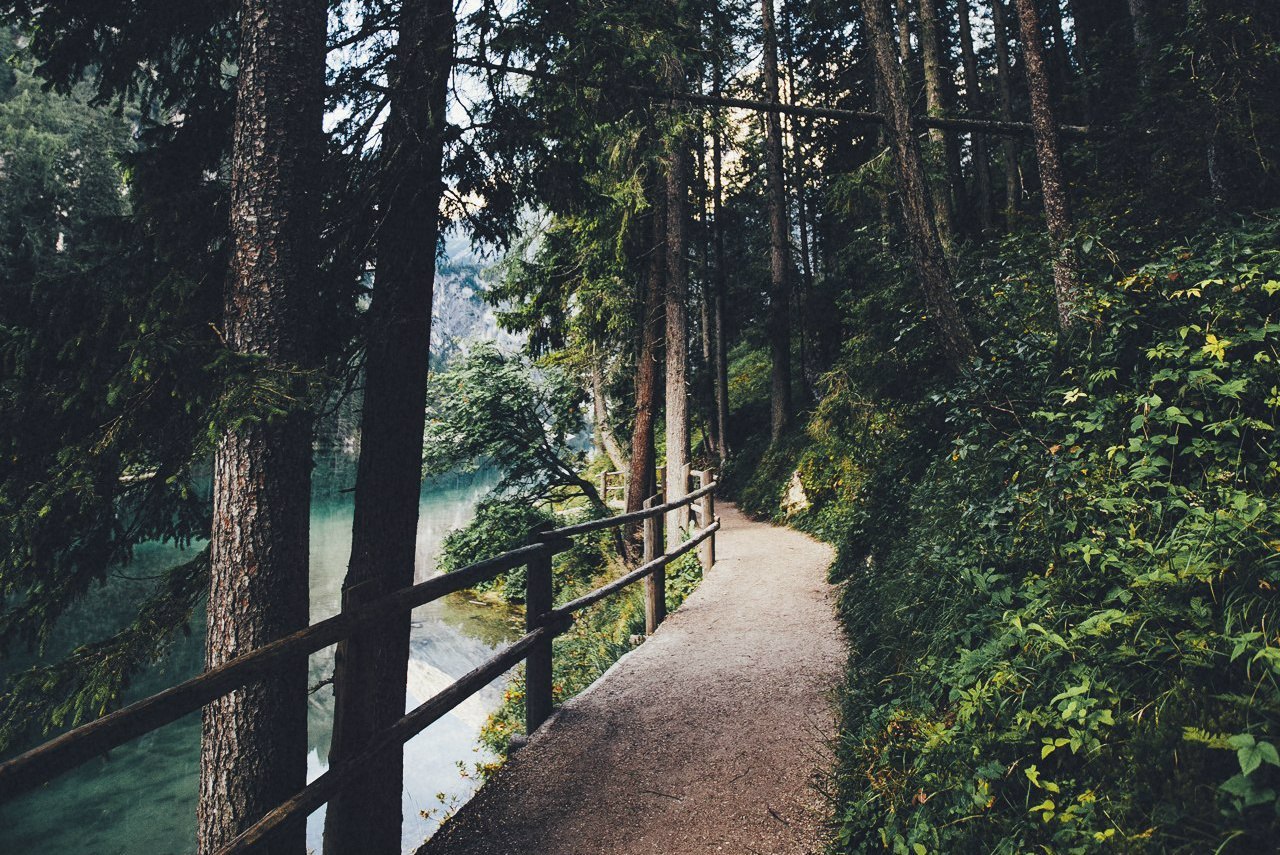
(779, 319)
(943, 149)
(371, 672)
(1004, 86)
(974, 104)
(254, 741)
(642, 478)
(1049, 156)
(930, 261)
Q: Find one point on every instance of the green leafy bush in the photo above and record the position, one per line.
(499, 526)
(1062, 570)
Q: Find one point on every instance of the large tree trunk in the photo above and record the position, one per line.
(1048, 154)
(973, 102)
(642, 478)
(779, 319)
(253, 752)
(720, 283)
(371, 672)
(931, 263)
(942, 144)
(1004, 86)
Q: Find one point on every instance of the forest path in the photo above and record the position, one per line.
(708, 737)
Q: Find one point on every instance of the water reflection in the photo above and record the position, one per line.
(142, 798)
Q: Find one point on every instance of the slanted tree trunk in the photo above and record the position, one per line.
(779, 318)
(974, 102)
(642, 477)
(253, 751)
(1048, 155)
(1004, 86)
(942, 144)
(720, 283)
(930, 261)
(600, 413)
(371, 671)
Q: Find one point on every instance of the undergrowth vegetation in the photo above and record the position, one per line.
(598, 637)
(1061, 566)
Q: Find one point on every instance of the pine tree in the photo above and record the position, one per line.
(1049, 155)
(254, 744)
(372, 669)
(917, 214)
(779, 323)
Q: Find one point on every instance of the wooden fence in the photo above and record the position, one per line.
(543, 622)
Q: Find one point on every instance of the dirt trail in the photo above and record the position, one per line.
(706, 738)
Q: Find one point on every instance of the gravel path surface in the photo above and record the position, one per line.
(706, 738)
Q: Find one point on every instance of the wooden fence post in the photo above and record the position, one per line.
(655, 584)
(538, 600)
(707, 549)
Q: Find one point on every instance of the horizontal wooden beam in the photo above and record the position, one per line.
(961, 124)
(557, 615)
(561, 534)
(331, 781)
(45, 762)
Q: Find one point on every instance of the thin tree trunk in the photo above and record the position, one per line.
(906, 57)
(371, 670)
(1143, 41)
(1061, 61)
(942, 144)
(642, 478)
(707, 376)
(1049, 156)
(973, 102)
(600, 412)
(1004, 86)
(931, 263)
(799, 178)
(677, 338)
(779, 319)
(253, 752)
(720, 284)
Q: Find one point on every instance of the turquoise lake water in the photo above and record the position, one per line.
(142, 798)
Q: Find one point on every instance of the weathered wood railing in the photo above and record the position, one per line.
(613, 486)
(544, 621)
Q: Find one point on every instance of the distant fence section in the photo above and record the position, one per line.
(544, 620)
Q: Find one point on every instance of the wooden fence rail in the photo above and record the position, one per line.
(544, 621)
